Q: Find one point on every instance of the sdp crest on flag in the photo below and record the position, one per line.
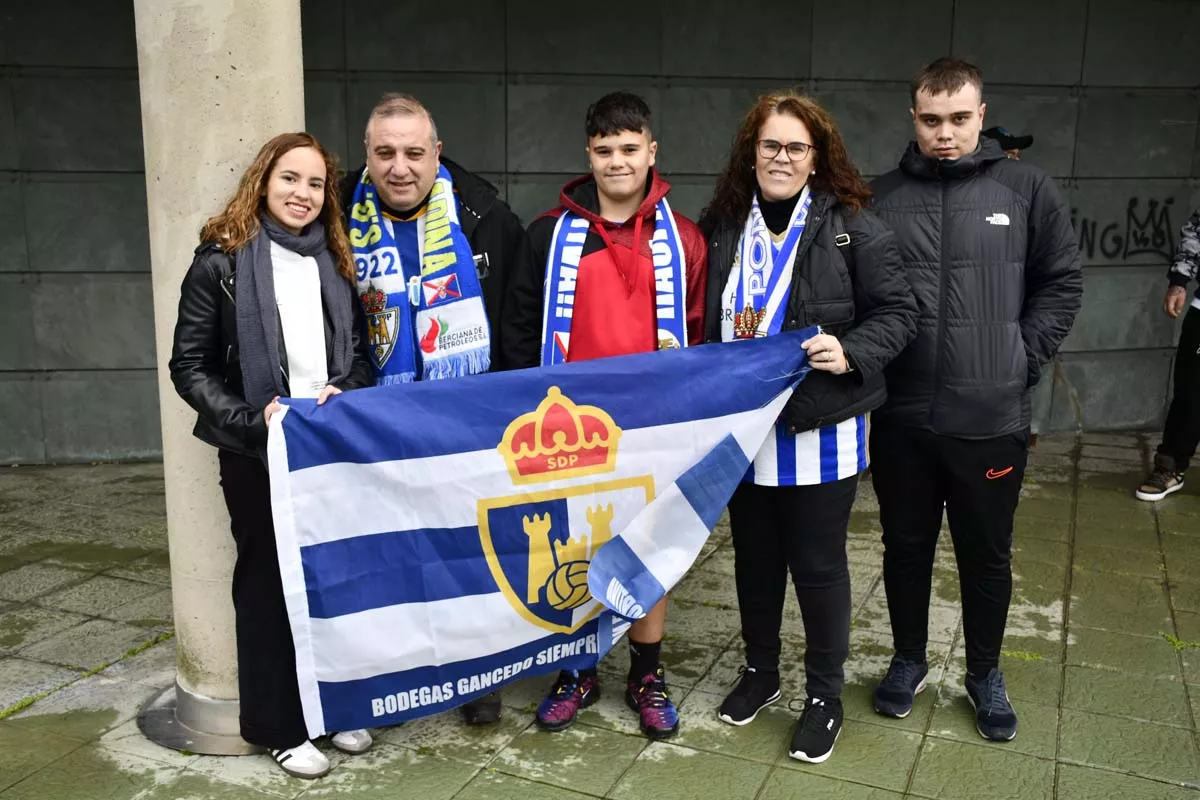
(539, 542)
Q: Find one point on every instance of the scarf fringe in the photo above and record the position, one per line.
(472, 362)
(394, 378)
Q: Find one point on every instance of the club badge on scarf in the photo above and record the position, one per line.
(562, 268)
(765, 278)
(425, 313)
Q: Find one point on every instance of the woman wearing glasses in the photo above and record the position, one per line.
(792, 246)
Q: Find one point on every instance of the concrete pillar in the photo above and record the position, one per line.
(218, 78)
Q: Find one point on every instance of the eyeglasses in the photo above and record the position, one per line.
(796, 151)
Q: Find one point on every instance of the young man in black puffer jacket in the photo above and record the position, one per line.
(993, 262)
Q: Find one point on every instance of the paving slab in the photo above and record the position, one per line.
(195, 786)
(492, 785)
(392, 773)
(954, 770)
(92, 773)
(85, 710)
(1119, 603)
(764, 740)
(1150, 656)
(152, 568)
(24, 625)
(876, 755)
(25, 751)
(154, 666)
(34, 580)
(94, 643)
(97, 595)
(786, 784)
(581, 758)
(1119, 694)
(672, 772)
(1083, 783)
(448, 736)
(1141, 748)
(21, 679)
(154, 610)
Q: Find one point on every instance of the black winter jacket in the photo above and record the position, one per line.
(994, 264)
(861, 298)
(205, 364)
(494, 231)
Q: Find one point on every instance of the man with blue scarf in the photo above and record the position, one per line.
(432, 246)
(611, 271)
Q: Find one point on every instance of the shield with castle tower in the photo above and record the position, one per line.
(540, 541)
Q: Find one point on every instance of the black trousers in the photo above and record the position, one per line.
(271, 715)
(801, 529)
(1181, 434)
(978, 481)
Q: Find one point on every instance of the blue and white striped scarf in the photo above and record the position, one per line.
(764, 273)
(562, 268)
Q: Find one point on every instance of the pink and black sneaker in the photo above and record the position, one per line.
(571, 692)
(648, 697)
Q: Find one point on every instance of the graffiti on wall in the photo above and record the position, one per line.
(1146, 230)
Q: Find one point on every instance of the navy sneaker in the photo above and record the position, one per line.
(995, 718)
(904, 681)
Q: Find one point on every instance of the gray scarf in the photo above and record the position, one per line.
(258, 317)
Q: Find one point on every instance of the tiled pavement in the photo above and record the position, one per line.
(1102, 661)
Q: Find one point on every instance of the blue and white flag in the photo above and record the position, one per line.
(437, 540)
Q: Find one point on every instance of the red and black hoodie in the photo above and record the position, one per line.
(614, 312)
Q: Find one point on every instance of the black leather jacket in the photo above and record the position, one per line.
(205, 365)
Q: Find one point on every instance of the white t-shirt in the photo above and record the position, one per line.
(302, 318)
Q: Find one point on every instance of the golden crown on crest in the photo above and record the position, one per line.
(559, 440)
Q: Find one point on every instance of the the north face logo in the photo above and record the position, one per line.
(998, 218)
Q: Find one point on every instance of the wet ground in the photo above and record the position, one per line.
(1102, 660)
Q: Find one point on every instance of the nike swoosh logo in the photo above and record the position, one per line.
(994, 474)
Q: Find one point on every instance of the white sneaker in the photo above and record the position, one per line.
(352, 742)
(302, 761)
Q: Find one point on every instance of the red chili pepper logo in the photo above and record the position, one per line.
(429, 340)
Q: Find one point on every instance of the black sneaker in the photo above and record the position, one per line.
(754, 692)
(482, 711)
(817, 731)
(995, 718)
(1161, 482)
(904, 681)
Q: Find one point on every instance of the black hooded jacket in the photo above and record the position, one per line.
(993, 261)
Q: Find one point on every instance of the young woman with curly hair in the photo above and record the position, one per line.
(267, 310)
(792, 246)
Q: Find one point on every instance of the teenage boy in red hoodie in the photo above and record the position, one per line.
(611, 271)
